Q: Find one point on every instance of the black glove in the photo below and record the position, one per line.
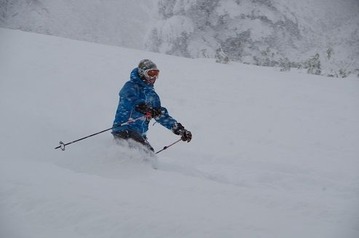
(148, 111)
(156, 112)
(178, 129)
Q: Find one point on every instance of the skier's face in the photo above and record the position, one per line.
(151, 75)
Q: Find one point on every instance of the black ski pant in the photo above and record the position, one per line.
(128, 134)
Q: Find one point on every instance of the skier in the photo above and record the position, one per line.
(138, 98)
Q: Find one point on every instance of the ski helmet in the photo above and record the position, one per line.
(148, 71)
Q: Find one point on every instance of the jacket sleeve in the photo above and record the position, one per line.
(165, 119)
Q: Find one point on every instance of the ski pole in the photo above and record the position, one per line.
(167, 146)
(63, 145)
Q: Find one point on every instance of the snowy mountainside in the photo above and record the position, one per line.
(262, 32)
(268, 33)
(273, 154)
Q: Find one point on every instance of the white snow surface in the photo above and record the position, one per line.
(273, 155)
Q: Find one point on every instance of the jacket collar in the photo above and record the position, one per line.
(135, 77)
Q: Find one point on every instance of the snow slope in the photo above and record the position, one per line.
(274, 154)
(122, 23)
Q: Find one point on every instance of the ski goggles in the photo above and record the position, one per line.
(151, 73)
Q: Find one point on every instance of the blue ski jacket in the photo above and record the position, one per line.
(134, 92)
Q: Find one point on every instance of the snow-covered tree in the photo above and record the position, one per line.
(262, 32)
(313, 65)
(242, 29)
